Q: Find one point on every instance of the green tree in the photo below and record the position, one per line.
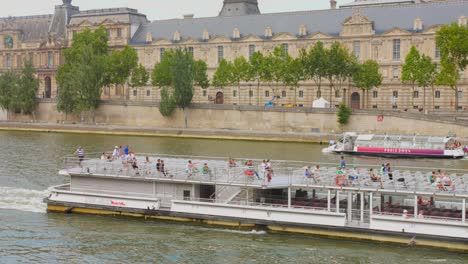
(257, 63)
(427, 75)
(240, 72)
(278, 65)
(410, 70)
(83, 74)
(167, 104)
(177, 73)
(28, 85)
(367, 77)
(449, 76)
(201, 74)
(344, 113)
(338, 67)
(452, 41)
(314, 63)
(293, 74)
(8, 88)
(139, 77)
(221, 77)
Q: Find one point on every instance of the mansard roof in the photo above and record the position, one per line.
(118, 15)
(32, 28)
(329, 21)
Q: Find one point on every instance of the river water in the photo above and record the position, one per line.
(28, 166)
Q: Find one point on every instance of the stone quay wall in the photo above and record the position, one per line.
(260, 119)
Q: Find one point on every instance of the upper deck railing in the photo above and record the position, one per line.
(408, 180)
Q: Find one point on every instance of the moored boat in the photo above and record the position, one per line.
(344, 203)
(400, 146)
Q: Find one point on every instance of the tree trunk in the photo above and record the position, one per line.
(424, 99)
(331, 96)
(185, 118)
(258, 93)
(238, 94)
(433, 98)
(456, 98)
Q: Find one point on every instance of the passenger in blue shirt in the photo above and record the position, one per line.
(342, 162)
(126, 150)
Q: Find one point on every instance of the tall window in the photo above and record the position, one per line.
(460, 94)
(50, 59)
(286, 48)
(437, 52)
(267, 93)
(357, 48)
(396, 49)
(283, 94)
(220, 53)
(161, 53)
(190, 51)
(250, 93)
(395, 94)
(416, 94)
(375, 94)
(251, 50)
(108, 33)
(119, 32)
(301, 94)
(8, 61)
(437, 94)
(396, 72)
(234, 93)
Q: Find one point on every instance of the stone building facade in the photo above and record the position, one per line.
(383, 30)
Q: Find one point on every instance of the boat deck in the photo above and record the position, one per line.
(285, 174)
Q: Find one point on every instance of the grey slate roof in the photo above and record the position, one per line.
(33, 28)
(327, 21)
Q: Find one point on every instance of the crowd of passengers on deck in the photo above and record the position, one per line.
(347, 177)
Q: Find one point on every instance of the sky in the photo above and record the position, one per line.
(158, 9)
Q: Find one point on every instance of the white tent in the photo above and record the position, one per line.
(321, 103)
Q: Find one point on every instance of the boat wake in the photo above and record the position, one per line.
(22, 199)
(251, 232)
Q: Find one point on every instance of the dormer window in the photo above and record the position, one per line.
(418, 24)
(302, 30)
(268, 32)
(205, 35)
(236, 34)
(176, 37)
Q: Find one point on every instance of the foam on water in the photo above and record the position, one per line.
(22, 199)
(251, 232)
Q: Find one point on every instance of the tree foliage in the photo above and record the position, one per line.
(221, 77)
(18, 90)
(344, 113)
(427, 75)
(410, 70)
(452, 41)
(176, 75)
(314, 62)
(139, 77)
(88, 68)
(367, 76)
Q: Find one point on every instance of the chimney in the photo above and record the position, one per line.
(189, 16)
(333, 4)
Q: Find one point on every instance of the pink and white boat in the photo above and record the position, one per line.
(402, 146)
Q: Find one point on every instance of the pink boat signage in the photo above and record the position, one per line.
(403, 151)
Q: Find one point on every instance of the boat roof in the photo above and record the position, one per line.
(431, 139)
(286, 174)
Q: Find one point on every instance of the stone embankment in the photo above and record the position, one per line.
(242, 122)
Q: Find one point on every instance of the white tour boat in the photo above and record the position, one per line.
(407, 209)
(400, 146)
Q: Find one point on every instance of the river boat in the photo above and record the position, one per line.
(406, 209)
(398, 146)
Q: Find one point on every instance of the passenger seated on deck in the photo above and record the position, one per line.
(315, 173)
(232, 163)
(307, 173)
(353, 174)
(135, 166)
(375, 178)
(250, 168)
(162, 168)
(158, 165)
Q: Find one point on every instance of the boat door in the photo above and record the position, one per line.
(357, 208)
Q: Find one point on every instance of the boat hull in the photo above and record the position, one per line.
(449, 243)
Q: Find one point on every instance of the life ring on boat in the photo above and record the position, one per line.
(340, 180)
